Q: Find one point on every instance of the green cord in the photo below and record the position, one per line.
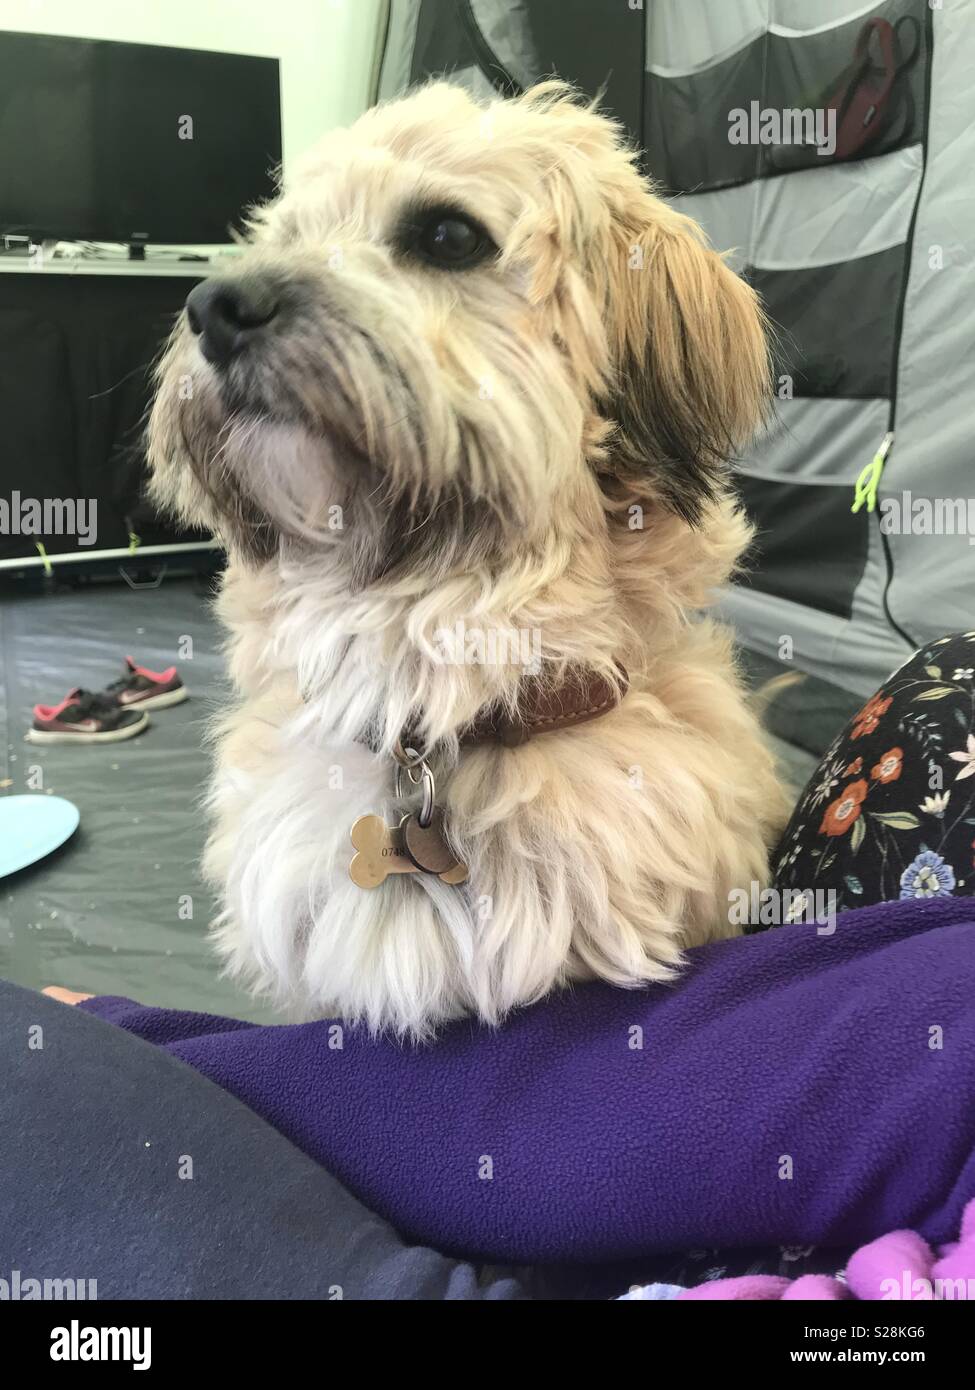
(869, 480)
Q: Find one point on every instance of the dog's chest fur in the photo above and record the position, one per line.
(599, 851)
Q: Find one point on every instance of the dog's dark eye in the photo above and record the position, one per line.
(452, 241)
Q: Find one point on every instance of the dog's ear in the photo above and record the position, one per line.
(689, 339)
(688, 361)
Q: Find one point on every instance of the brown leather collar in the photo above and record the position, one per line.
(545, 709)
(542, 709)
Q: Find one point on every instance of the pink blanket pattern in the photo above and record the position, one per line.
(897, 1266)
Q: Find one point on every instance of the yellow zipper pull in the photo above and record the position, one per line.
(869, 479)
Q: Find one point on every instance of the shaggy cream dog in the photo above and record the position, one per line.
(472, 376)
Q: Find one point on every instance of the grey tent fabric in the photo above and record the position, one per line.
(861, 217)
(452, 36)
(934, 576)
(504, 46)
(862, 255)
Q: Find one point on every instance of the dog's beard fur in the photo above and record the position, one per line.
(536, 444)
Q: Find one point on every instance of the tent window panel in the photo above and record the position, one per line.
(687, 125)
(442, 43)
(822, 441)
(835, 325)
(840, 213)
(686, 35)
(806, 15)
(809, 547)
(528, 40)
(595, 47)
(727, 216)
(786, 102)
(869, 74)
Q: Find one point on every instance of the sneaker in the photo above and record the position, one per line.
(85, 717)
(147, 689)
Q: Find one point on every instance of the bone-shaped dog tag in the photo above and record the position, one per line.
(380, 851)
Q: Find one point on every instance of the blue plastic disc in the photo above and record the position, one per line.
(32, 827)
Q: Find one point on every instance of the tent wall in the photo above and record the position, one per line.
(863, 258)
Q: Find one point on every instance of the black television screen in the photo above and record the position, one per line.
(105, 141)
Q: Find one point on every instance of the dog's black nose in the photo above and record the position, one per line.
(226, 315)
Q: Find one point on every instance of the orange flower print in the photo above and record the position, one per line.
(841, 813)
(870, 716)
(855, 767)
(889, 767)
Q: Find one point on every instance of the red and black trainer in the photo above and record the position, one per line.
(85, 717)
(145, 688)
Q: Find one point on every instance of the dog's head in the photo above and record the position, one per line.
(457, 326)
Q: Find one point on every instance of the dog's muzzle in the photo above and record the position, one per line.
(228, 316)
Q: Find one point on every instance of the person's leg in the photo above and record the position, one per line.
(124, 1168)
(890, 811)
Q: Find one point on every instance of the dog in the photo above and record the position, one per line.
(471, 373)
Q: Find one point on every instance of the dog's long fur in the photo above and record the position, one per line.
(537, 443)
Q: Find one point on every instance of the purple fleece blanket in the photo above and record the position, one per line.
(790, 1088)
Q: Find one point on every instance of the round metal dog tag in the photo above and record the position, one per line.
(428, 848)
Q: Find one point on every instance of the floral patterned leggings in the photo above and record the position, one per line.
(890, 811)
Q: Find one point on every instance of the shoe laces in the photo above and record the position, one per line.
(92, 702)
(123, 683)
